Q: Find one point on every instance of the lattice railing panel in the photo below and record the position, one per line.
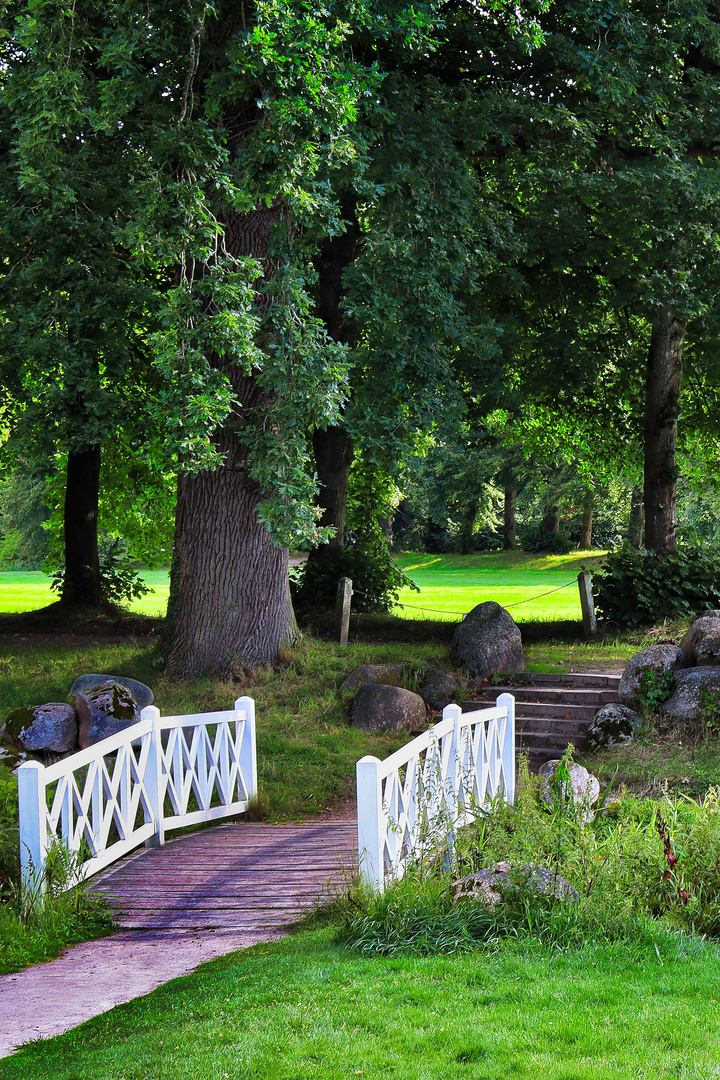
(409, 804)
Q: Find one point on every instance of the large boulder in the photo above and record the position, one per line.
(701, 644)
(658, 658)
(613, 724)
(103, 711)
(488, 886)
(584, 788)
(51, 727)
(387, 674)
(142, 694)
(488, 641)
(686, 704)
(378, 707)
(438, 688)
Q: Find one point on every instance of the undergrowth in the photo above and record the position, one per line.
(643, 874)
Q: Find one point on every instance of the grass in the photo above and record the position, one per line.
(449, 584)
(306, 1009)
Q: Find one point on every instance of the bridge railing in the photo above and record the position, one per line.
(163, 773)
(410, 802)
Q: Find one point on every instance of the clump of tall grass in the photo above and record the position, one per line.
(644, 874)
(36, 924)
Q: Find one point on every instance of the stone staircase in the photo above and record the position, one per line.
(551, 711)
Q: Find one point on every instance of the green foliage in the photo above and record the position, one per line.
(643, 587)
(24, 541)
(119, 577)
(709, 709)
(367, 561)
(641, 869)
(655, 688)
(535, 539)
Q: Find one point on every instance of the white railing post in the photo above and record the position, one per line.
(153, 777)
(248, 747)
(507, 701)
(369, 812)
(455, 779)
(33, 826)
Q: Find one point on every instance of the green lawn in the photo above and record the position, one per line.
(305, 1009)
(451, 585)
(26, 590)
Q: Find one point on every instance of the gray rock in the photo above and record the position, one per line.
(142, 694)
(487, 886)
(52, 726)
(657, 658)
(685, 705)
(103, 711)
(585, 788)
(387, 708)
(387, 674)
(488, 641)
(613, 724)
(438, 688)
(701, 644)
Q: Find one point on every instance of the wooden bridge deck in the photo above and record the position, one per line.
(244, 876)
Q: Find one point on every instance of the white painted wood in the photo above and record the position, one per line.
(129, 789)
(411, 803)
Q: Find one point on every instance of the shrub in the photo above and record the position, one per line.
(366, 560)
(535, 539)
(642, 587)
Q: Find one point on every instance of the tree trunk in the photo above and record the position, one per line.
(385, 521)
(551, 519)
(510, 519)
(333, 458)
(333, 446)
(662, 407)
(229, 604)
(637, 517)
(469, 527)
(587, 521)
(81, 584)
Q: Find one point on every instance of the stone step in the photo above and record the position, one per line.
(575, 678)
(560, 711)
(551, 723)
(550, 694)
(538, 755)
(551, 740)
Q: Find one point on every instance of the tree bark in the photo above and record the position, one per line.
(662, 407)
(81, 584)
(587, 521)
(469, 527)
(333, 447)
(333, 458)
(551, 518)
(510, 519)
(637, 517)
(229, 606)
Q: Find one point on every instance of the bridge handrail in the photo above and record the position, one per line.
(435, 783)
(137, 784)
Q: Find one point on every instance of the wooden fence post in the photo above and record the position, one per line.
(587, 604)
(342, 609)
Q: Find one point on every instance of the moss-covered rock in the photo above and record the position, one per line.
(103, 711)
(49, 727)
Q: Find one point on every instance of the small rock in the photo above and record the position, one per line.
(103, 711)
(613, 724)
(657, 658)
(701, 644)
(585, 788)
(387, 708)
(487, 641)
(142, 694)
(52, 726)
(487, 886)
(387, 674)
(685, 704)
(438, 688)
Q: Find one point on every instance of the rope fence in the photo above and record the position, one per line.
(462, 614)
